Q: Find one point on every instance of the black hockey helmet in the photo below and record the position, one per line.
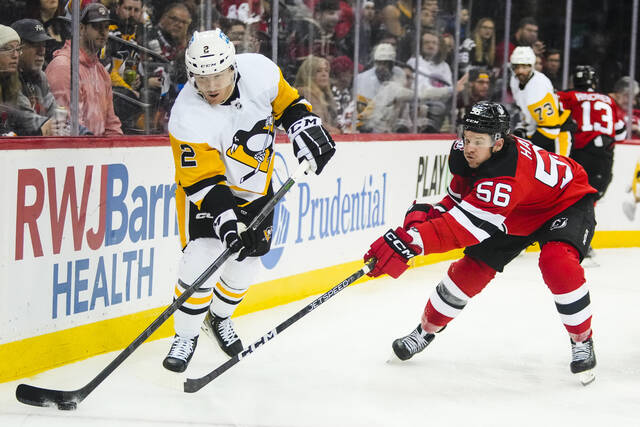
(585, 77)
(488, 117)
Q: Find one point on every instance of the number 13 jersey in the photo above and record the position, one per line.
(595, 113)
(515, 192)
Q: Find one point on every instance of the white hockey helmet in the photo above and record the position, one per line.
(209, 52)
(523, 55)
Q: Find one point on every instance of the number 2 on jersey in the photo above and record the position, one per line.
(187, 158)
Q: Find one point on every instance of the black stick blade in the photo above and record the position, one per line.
(36, 396)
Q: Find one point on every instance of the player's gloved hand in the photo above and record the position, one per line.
(520, 133)
(419, 213)
(311, 141)
(250, 240)
(232, 239)
(393, 250)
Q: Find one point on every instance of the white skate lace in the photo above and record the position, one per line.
(181, 348)
(581, 351)
(414, 342)
(226, 332)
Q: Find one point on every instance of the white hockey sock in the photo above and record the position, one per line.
(189, 317)
(226, 298)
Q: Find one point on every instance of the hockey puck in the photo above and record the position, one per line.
(67, 406)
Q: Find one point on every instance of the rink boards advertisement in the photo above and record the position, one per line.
(91, 239)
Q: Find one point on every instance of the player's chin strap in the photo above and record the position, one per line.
(66, 400)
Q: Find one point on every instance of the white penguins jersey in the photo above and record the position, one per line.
(233, 140)
(539, 105)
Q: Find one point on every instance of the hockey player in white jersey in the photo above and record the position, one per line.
(533, 94)
(222, 131)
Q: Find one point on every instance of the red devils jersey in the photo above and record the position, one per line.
(595, 113)
(516, 191)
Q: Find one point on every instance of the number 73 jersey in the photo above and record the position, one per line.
(515, 192)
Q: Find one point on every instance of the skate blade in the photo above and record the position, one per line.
(586, 377)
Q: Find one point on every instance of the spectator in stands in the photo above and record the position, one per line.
(341, 84)
(367, 31)
(480, 49)
(314, 36)
(241, 35)
(369, 82)
(169, 39)
(526, 35)
(391, 108)
(35, 102)
(397, 20)
(96, 96)
(10, 51)
(552, 63)
(538, 66)
(50, 13)
(312, 81)
(433, 70)
(622, 89)
(477, 88)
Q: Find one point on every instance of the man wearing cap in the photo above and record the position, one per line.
(10, 50)
(96, 97)
(476, 90)
(369, 82)
(35, 101)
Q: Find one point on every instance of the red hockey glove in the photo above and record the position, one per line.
(418, 213)
(392, 251)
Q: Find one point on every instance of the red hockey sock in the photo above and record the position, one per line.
(465, 278)
(561, 270)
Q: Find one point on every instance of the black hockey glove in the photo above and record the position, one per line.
(311, 141)
(251, 240)
(219, 202)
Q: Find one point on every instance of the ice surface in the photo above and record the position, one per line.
(503, 362)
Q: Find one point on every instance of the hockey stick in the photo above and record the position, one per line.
(68, 400)
(191, 385)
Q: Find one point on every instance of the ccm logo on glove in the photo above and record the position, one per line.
(398, 245)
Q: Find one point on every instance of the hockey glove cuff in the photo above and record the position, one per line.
(421, 212)
(392, 252)
(311, 141)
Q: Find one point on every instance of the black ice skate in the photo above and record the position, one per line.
(405, 347)
(583, 360)
(222, 330)
(180, 354)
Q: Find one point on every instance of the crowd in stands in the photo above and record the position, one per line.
(131, 61)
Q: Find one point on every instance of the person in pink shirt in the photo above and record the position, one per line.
(95, 97)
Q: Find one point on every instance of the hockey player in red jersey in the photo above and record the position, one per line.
(505, 194)
(600, 123)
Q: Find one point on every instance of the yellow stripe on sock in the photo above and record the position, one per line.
(229, 293)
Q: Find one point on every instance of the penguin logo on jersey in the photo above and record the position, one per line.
(254, 148)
